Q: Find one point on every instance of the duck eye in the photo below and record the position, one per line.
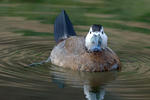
(90, 32)
(102, 32)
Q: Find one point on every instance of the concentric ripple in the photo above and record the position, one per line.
(19, 81)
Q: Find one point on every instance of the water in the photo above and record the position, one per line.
(26, 36)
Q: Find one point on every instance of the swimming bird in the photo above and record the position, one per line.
(89, 53)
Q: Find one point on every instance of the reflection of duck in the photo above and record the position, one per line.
(92, 94)
(78, 53)
(93, 84)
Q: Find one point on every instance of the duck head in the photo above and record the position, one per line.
(96, 39)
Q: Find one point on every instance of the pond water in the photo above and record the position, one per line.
(26, 36)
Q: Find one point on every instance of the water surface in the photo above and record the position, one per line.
(26, 36)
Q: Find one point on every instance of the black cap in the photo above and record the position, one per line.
(96, 27)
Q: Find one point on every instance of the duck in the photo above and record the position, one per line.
(88, 53)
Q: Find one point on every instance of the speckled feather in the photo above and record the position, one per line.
(71, 53)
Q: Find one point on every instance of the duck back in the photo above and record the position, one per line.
(71, 53)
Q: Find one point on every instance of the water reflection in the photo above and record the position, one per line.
(94, 93)
(22, 42)
(93, 84)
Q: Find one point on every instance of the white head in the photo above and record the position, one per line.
(96, 39)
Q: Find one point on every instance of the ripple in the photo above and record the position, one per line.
(15, 72)
(17, 52)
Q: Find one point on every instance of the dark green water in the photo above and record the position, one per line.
(26, 36)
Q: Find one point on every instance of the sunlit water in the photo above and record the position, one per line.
(18, 81)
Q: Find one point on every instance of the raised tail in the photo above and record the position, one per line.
(63, 27)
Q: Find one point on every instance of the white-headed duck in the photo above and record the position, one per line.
(89, 53)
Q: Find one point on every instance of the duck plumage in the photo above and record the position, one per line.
(71, 53)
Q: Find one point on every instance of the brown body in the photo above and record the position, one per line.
(71, 53)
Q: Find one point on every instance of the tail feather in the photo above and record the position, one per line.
(63, 27)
